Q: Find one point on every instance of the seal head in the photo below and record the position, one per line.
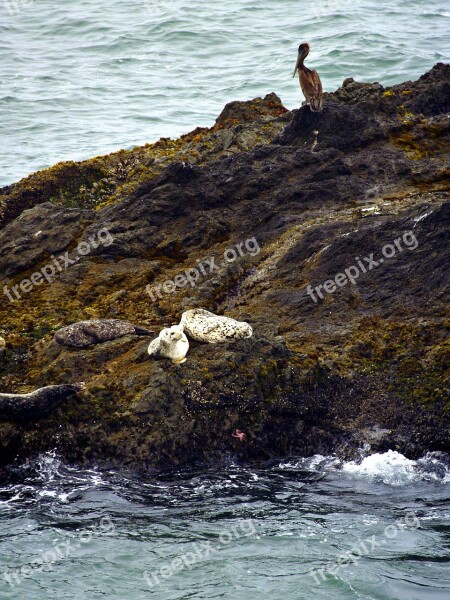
(171, 343)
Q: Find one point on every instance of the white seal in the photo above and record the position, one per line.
(171, 343)
(205, 326)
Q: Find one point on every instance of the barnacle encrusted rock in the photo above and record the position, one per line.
(346, 298)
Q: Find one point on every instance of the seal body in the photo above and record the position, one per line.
(171, 343)
(205, 326)
(37, 404)
(88, 333)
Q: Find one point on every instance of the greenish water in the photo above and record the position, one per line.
(301, 529)
(87, 77)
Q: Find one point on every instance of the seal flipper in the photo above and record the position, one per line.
(142, 331)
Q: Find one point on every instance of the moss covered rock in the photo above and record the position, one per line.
(327, 232)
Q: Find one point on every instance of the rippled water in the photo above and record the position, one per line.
(87, 77)
(90, 76)
(237, 533)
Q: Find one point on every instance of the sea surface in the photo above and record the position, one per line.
(81, 78)
(85, 77)
(300, 529)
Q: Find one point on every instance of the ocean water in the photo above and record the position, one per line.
(303, 529)
(87, 77)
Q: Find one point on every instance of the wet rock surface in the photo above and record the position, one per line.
(360, 190)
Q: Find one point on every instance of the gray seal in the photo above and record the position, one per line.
(37, 404)
(88, 333)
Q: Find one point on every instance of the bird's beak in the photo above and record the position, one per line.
(297, 64)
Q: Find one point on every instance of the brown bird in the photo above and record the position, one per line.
(309, 80)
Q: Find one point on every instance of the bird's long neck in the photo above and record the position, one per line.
(303, 58)
(301, 65)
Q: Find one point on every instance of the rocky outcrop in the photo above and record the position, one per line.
(327, 232)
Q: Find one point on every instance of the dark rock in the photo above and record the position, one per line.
(320, 194)
(39, 233)
(248, 111)
(338, 126)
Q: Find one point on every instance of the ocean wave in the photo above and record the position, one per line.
(390, 468)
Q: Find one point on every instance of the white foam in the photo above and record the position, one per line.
(392, 468)
(318, 462)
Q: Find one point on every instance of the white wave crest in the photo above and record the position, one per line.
(392, 468)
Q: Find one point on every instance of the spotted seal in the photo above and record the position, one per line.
(205, 326)
(171, 343)
(88, 333)
(37, 404)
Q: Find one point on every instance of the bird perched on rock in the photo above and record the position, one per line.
(309, 80)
